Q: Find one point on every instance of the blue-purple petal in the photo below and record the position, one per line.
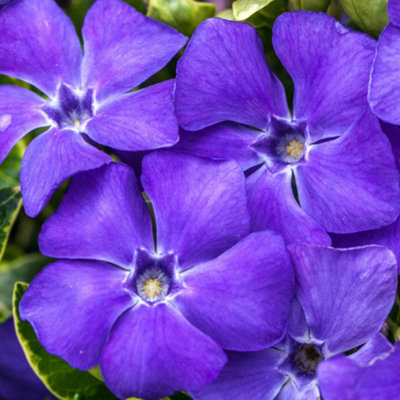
(72, 306)
(153, 352)
(39, 44)
(123, 47)
(242, 298)
(346, 294)
(49, 160)
(103, 216)
(200, 208)
(141, 120)
(223, 76)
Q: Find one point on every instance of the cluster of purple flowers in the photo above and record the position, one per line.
(252, 256)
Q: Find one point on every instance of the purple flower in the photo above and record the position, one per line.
(17, 380)
(87, 94)
(384, 90)
(332, 147)
(389, 235)
(342, 298)
(344, 378)
(158, 322)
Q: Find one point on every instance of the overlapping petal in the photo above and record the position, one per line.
(330, 67)
(51, 158)
(242, 298)
(223, 76)
(351, 183)
(384, 89)
(17, 380)
(388, 236)
(394, 12)
(347, 294)
(225, 141)
(153, 352)
(342, 378)
(72, 306)
(39, 44)
(19, 114)
(378, 347)
(200, 205)
(142, 120)
(272, 206)
(123, 47)
(103, 216)
(246, 376)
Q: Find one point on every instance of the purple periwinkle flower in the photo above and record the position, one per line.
(156, 314)
(389, 235)
(345, 378)
(331, 146)
(342, 298)
(87, 100)
(384, 90)
(17, 380)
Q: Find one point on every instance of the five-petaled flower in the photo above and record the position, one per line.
(331, 148)
(156, 321)
(87, 100)
(342, 298)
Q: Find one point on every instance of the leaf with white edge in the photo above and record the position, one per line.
(10, 204)
(369, 15)
(183, 15)
(60, 378)
(21, 269)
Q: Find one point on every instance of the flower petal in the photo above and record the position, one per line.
(223, 76)
(246, 376)
(142, 120)
(272, 206)
(123, 47)
(51, 158)
(242, 298)
(39, 45)
(103, 216)
(377, 347)
(384, 88)
(351, 183)
(225, 141)
(341, 378)
(394, 11)
(19, 114)
(200, 208)
(346, 294)
(72, 306)
(330, 67)
(17, 380)
(388, 236)
(153, 352)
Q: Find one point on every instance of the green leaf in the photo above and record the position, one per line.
(22, 269)
(259, 13)
(369, 15)
(59, 377)
(312, 5)
(9, 168)
(243, 9)
(10, 204)
(183, 15)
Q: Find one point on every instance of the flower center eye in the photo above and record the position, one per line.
(153, 285)
(295, 149)
(307, 358)
(70, 109)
